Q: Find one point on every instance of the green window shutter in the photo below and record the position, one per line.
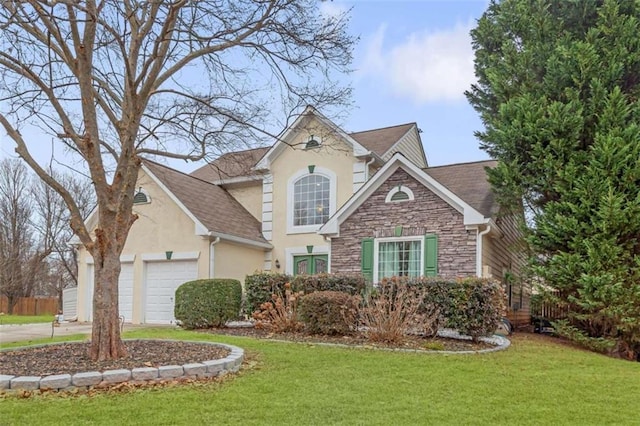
(430, 255)
(367, 259)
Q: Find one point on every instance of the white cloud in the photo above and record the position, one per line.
(425, 67)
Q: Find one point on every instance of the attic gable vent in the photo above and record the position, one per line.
(141, 197)
(399, 194)
(313, 142)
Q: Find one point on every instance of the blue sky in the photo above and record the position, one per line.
(412, 64)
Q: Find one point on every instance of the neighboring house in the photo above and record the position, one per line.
(318, 200)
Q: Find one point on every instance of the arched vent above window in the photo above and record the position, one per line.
(313, 142)
(399, 194)
(141, 197)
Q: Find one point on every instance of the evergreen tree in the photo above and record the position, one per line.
(558, 88)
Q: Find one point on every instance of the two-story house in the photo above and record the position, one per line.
(318, 200)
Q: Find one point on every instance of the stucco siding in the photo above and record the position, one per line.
(162, 226)
(236, 261)
(334, 156)
(427, 214)
(250, 197)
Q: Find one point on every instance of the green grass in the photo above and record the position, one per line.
(536, 381)
(25, 319)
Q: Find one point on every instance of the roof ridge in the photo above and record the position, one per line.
(241, 151)
(384, 128)
(460, 164)
(181, 172)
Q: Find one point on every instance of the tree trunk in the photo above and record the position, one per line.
(11, 303)
(105, 336)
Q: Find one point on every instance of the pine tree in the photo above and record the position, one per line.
(558, 88)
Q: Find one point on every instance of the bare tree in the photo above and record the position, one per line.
(35, 257)
(115, 80)
(21, 255)
(50, 220)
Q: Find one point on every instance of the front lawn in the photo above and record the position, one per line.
(25, 319)
(536, 381)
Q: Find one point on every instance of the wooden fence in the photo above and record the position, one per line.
(31, 306)
(543, 308)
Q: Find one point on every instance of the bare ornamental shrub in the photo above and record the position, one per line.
(393, 310)
(281, 314)
(329, 312)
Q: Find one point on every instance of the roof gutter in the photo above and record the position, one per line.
(240, 240)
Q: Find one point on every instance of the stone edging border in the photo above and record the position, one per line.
(205, 369)
(501, 343)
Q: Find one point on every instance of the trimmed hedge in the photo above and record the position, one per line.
(260, 287)
(473, 306)
(346, 283)
(329, 312)
(208, 303)
(479, 306)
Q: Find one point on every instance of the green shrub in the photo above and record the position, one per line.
(352, 284)
(329, 312)
(436, 302)
(476, 306)
(260, 287)
(207, 303)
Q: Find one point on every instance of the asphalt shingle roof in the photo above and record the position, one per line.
(381, 140)
(230, 165)
(214, 207)
(469, 181)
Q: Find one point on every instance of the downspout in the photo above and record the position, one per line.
(328, 240)
(479, 250)
(212, 257)
(366, 168)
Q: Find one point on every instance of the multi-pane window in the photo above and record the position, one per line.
(399, 259)
(311, 200)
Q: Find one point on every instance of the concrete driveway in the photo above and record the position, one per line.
(27, 332)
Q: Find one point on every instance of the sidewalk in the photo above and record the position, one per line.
(26, 332)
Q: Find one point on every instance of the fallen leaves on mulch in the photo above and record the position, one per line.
(71, 358)
(410, 342)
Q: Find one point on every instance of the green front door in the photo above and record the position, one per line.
(310, 264)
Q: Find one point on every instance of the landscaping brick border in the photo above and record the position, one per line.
(212, 368)
(499, 343)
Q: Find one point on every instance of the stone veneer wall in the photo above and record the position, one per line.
(426, 214)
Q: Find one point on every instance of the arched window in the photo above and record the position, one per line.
(311, 197)
(399, 194)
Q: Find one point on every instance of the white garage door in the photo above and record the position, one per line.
(162, 280)
(125, 291)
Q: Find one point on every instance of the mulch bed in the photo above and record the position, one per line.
(411, 342)
(71, 358)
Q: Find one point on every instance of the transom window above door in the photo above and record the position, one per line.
(311, 200)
